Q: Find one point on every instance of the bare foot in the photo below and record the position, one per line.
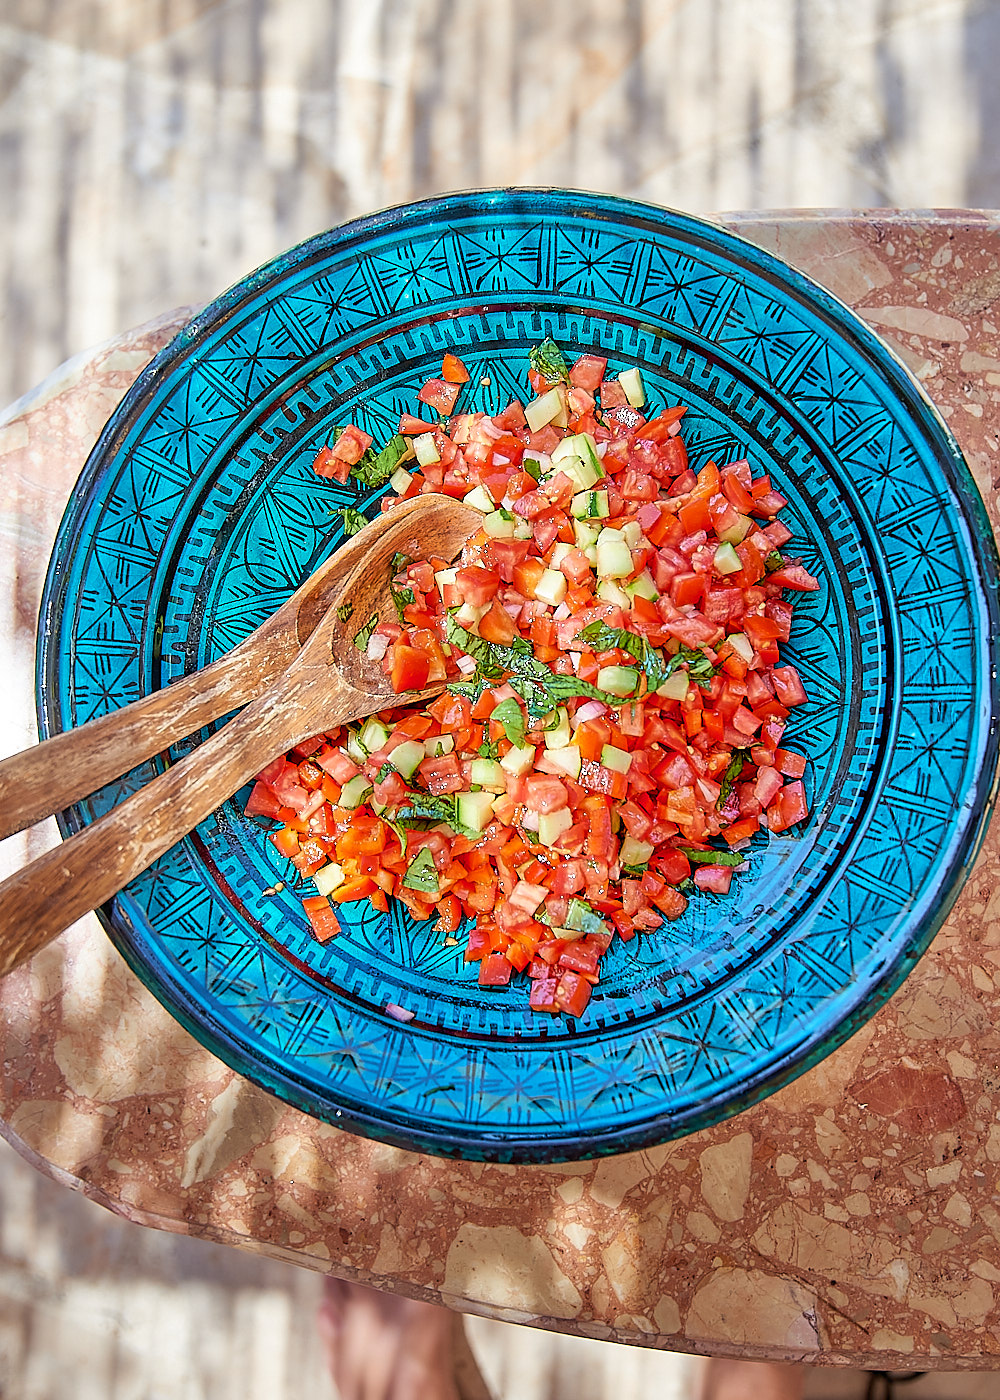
(380, 1347)
(726, 1379)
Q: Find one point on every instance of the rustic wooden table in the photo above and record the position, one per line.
(852, 1219)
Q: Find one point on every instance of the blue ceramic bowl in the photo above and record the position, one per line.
(197, 514)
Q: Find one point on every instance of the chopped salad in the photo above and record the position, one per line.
(609, 737)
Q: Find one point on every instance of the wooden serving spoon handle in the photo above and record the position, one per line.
(53, 775)
(38, 902)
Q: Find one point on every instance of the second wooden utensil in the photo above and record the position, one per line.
(328, 683)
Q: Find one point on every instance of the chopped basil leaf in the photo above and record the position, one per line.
(361, 638)
(774, 561)
(354, 521)
(422, 873)
(548, 361)
(384, 772)
(532, 466)
(657, 666)
(401, 597)
(419, 808)
(633, 872)
(730, 775)
(488, 750)
(344, 611)
(509, 714)
(375, 469)
(712, 857)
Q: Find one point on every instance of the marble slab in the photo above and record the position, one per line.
(852, 1219)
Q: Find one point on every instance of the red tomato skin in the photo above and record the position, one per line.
(410, 668)
(439, 394)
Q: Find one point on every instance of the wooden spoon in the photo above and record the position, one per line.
(328, 683)
(55, 774)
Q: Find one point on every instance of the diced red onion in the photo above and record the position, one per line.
(398, 1013)
(466, 664)
(590, 709)
(377, 647)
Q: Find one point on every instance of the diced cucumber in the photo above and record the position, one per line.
(643, 587)
(559, 552)
(480, 499)
(354, 792)
(581, 473)
(401, 481)
(610, 534)
(468, 615)
(590, 505)
(581, 917)
(439, 745)
(519, 760)
(632, 534)
(330, 878)
(443, 577)
(726, 560)
(585, 534)
(474, 809)
(356, 751)
(487, 773)
(742, 645)
(407, 757)
(426, 449)
(609, 592)
(558, 736)
(617, 680)
(551, 587)
(373, 735)
(631, 382)
(737, 533)
(635, 852)
(499, 525)
(567, 760)
(675, 687)
(551, 825)
(522, 528)
(618, 760)
(584, 446)
(614, 559)
(590, 553)
(547, 408)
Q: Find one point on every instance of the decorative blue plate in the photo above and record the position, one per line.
(198, 513)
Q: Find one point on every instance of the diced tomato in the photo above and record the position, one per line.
(410, 668)
(453, 371)
(440, 394)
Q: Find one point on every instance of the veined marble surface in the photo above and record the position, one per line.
(853, 1218)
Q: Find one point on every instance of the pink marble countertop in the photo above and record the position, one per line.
(853, 1218)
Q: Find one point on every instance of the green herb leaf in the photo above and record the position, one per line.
(384, 772)
(344, 611)
(419, 808)
(511, 716)
(375, 469)
(548, 361)
(774, 561)
(401, 597)
(361, 638)
(532, 466)
(712, 857)
(354, 521)
(604, 638)
(729, 777)
(633, 872)
(488, 750)
(422, 873)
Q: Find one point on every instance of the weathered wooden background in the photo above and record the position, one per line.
(153, 151)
